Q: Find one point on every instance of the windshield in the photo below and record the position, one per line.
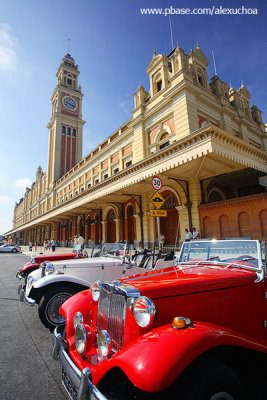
(221, 251)
(115, 249)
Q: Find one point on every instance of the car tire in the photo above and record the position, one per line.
(14, 251)
(215, 381)
(48, 308)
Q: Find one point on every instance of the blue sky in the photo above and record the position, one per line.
(113, 45)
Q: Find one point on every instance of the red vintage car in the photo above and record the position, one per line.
(195, 331)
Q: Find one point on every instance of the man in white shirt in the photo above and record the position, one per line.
(195, 234)
(188, 235)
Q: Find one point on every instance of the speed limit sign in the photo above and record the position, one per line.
(156, 183)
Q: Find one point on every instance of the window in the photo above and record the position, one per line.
(63, 130)
(106, 176)
(96, 181)
(82, 189)
(159, 85)
(89, 185)
(76, 192)
(116, 170)
(73, 132)
(69, 81)
(128, 164)
(68, 131)
(170, 66)
(164, 145)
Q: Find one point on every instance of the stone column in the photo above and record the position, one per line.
(104, 231)
(118, 237)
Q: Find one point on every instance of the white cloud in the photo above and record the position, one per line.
(126, 106)
(4, 199)
(8, 47)
(22, 183)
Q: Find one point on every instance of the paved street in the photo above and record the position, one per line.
(27, 370)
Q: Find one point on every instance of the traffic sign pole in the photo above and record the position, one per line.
(158, 222)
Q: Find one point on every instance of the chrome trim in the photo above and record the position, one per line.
(18, 274)
(25, 299)
(113, 301)
(82, 380)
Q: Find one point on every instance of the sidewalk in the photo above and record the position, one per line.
(40, 251)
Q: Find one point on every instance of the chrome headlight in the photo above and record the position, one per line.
(78, 319)
(49, 269)
(144, 311)
(104, 343)
(96, 290)
(80, 339)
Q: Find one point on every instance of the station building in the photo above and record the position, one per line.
(202, 139)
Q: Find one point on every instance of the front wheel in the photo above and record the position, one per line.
(50, 304)
(215, 381)
(14, 251)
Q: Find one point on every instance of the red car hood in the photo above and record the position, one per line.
(187, 279)
(54, 257)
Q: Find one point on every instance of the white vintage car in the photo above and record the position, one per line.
(54, 282)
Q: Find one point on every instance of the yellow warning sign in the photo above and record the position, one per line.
(158, 213)
(157, 199)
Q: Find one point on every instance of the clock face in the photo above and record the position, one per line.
(69, 103)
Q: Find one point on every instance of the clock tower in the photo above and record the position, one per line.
(66, 124)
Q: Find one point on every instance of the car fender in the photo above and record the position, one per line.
(156, 359)
(60, 278)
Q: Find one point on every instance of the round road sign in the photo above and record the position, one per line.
(156, 183)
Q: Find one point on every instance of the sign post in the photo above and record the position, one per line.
(158, 200)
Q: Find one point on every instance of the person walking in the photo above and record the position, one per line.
(45, 245)
(53, 244)
(30, 245)
(188, 235)
(35, 246)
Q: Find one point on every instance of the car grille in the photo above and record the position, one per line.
(111, 314)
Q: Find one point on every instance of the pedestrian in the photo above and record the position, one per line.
(53, 244)
(30, 245)
(45, 245)
(195, 234)
(80, 241)
(162, 239)
(75, 240)
(188, 235)
(48, 244)
(35, 246)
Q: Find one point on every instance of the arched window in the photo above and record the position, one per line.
(215, 194)
(111, 215)
(170, 202)
(244, 224)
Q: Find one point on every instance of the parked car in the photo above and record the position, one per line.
(54, 282)
(194, 331)
(36, 261)
(10, 248)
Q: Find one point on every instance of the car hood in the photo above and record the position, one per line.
(54, 257)
(179, 280)
(86, 262)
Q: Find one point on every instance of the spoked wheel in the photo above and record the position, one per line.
(50, 304)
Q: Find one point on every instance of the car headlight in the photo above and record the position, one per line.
(104, 343)
(144, 311)
(33, 260)
(96, 290)
(78, 319)
(49, 269)
(80, 339)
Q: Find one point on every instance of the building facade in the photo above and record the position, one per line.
(204, 140)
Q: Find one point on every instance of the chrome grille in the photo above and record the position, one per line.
(111, 314)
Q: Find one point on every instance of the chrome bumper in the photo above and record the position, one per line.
(82, 380)
(25, 299)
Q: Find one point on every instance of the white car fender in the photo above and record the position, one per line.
(56, 278)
